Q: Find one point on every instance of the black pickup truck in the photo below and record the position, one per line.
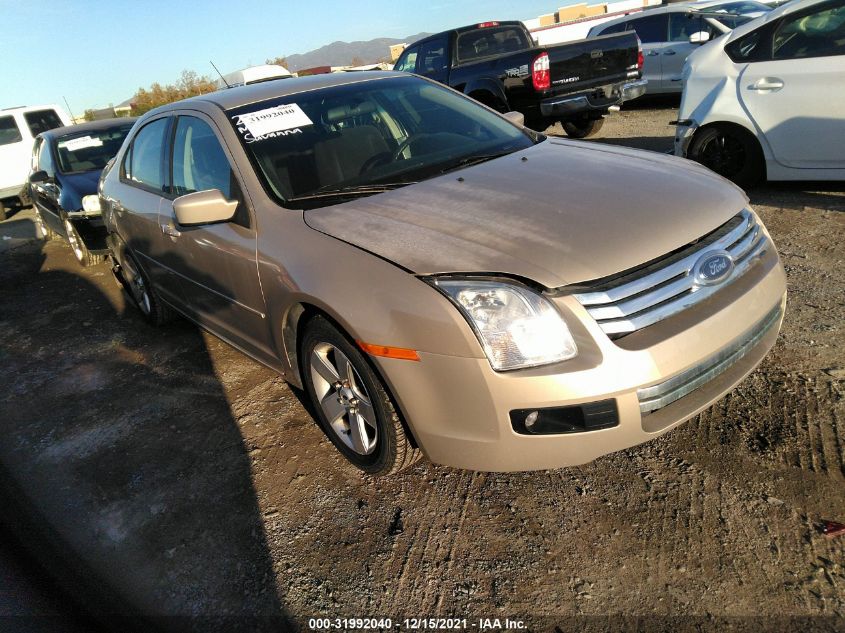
(498, 64)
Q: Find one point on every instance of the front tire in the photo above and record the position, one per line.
(83, 255)
(583, 128)
(351, 402)
(731, 152)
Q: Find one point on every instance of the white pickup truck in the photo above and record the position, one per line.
(18, 128)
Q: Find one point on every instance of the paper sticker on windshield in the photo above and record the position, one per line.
(82, 142)
(271, 122)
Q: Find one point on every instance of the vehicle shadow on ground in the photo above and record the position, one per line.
(123, 461)
(829, 196)
(659, 144)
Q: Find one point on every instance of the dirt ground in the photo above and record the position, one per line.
(162, 472)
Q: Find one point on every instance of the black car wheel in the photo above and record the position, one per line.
(583, 128)
(83, 255)
(142, 293)
(351, 402)
(731, 152)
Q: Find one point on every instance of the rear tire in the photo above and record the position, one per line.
(83, 255)
(731, 152)
(583, 128)
(142, 293)
(351, 402)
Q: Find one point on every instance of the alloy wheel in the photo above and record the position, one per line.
(344, 399)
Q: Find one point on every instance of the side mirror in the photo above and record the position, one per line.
(517, 118)
(699, 38)
(203, 207)
(38, 177)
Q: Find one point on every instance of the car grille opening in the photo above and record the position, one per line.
(637, 298)
(662, 394)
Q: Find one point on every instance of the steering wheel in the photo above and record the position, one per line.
(404, 145)
(388, 157)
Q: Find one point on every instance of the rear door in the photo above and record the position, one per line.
(795, 93)
(135, 211)
(216, 263)
(653, 31)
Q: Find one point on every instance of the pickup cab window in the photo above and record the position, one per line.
(490, 41)
(9, 132)
(432, 57)
(42, 120)
(407, 63)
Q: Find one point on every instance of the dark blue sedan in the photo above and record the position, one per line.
(66, 166)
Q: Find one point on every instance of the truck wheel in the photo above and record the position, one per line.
(41, 229)
(351, 402)
(83, 255)
(3, 212)
(583, 128)
(731, 152)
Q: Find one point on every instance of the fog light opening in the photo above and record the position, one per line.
(531, 419)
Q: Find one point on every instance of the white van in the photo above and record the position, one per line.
(254, 75)
(18, 129)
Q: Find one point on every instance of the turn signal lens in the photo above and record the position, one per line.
(541, 77)
(389, 352)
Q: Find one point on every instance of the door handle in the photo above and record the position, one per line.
(669, 53)
(652, 53)
(767, 83)
(169, 229)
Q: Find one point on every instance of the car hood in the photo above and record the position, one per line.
(560, 212)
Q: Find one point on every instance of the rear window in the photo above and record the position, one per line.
(89, 150)
(9, 132)
(491, 41)
(42, 120)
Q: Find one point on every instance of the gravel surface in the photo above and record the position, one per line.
(192, 481)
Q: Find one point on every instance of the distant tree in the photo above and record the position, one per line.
(278, 61)
(357, 61)
(190, 84)
(89, 115)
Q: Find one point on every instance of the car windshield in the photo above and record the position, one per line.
(740, 8)
(87, 151)
(732, 21)
(367, 137)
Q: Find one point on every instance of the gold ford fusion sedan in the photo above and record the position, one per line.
(438, 279)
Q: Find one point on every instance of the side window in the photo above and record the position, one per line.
(9, 132)
(651, 29)
(45, 159)
(432, 56)
(143, 163)
(613, 28)
(42, 120)
(682, 25)
(199, 164)
(408, 61)
(820, 33)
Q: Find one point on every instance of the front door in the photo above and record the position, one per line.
(216, 263)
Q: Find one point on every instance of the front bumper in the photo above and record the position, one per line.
(684, 131)
(594, 101)
(459, 409)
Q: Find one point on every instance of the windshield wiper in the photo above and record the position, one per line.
(475, 159)
(352, 191)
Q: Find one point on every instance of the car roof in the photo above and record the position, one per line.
(16, 109)
(230, 98)
(774, 14)
(88, 126)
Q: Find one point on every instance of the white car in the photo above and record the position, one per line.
(768, 99)
(18, 129)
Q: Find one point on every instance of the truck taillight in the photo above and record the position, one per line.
(540, 75)
(640, 58)
(485, 25)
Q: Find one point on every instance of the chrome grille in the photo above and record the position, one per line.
(667, 392)
(656, 291)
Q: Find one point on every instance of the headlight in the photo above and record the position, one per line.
(91, 204)
(516, 326)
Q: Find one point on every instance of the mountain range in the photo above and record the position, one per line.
(342, 53)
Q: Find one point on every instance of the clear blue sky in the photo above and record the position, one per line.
(96, 53)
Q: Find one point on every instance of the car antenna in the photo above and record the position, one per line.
(69, 110)
(222, 78)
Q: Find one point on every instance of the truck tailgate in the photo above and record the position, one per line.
(584, 64)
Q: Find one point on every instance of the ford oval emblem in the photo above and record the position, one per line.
(713, 267)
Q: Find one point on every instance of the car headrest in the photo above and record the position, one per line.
(346, 112)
